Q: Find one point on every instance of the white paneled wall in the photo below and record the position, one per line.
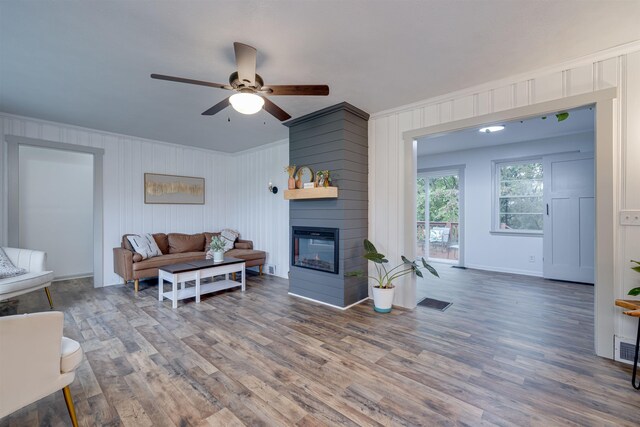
(618, 67)
(257, 213)
(230, 187)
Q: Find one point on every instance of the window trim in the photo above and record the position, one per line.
(495, 198)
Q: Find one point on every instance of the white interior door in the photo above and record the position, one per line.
(569, 223)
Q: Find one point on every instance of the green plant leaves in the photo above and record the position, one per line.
(385, 275)
(562, 116)
(375, 257)
(372, 254)
(368, 246)
(429, 268)
(635, 291)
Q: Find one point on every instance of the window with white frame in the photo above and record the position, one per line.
(519, 203)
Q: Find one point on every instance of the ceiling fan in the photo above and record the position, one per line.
(251, 92)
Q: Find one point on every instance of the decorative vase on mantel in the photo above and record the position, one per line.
(291, 170)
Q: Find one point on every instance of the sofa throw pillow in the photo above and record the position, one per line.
(7, 269)
(145, 245)
(228, 237)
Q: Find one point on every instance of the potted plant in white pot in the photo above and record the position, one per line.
(217, 248)
(383, 289)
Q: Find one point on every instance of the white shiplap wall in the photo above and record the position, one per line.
(618, 67)
(126, 159)
(256, 212)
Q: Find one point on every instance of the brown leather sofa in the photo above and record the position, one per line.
(176, 248)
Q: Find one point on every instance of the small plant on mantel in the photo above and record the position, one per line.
(383, 289)
(323, 178)
(635, 291)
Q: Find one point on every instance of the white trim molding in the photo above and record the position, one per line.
(327, 304)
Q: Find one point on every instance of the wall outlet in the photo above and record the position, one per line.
(271, 269)
(628, 217)
(532, 258)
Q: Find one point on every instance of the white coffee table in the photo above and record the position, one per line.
(196, 271)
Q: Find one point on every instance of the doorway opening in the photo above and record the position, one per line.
(606, 193)
(56, 204)
(531, 210)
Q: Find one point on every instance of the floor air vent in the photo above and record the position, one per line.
(625, 350)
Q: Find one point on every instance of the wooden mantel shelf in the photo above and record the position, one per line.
(312, 193)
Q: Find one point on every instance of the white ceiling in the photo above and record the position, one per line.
(534, 128)
(88, 63)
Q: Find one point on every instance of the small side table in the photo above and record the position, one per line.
(633, 307)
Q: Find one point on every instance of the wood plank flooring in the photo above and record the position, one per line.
(511, 350)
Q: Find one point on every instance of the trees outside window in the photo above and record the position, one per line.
(520, 204)
(443, 200)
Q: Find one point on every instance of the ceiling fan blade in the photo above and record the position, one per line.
(314, 90)
(275, 111)
(190, 81)
(246, 62)
(217, 108)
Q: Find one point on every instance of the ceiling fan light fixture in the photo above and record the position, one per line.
(246, 103)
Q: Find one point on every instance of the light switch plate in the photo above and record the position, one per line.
(629, 217)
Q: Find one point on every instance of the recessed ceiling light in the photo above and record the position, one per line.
(490, 129)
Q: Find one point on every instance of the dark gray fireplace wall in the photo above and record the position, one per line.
(334, 138)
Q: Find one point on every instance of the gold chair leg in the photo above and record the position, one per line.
(260, 268)
(233, 276)
(46, 289)
(136, 284)
(69, 401)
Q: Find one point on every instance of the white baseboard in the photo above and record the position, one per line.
(326, 303)
(505, 270)
(72, 276)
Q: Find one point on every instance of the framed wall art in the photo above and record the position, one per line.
(173, 189)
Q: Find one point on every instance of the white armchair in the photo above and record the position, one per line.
(36, 278)
(35, 360)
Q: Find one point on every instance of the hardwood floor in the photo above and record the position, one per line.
(511, 350)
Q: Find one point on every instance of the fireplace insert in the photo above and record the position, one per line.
(315, 248)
